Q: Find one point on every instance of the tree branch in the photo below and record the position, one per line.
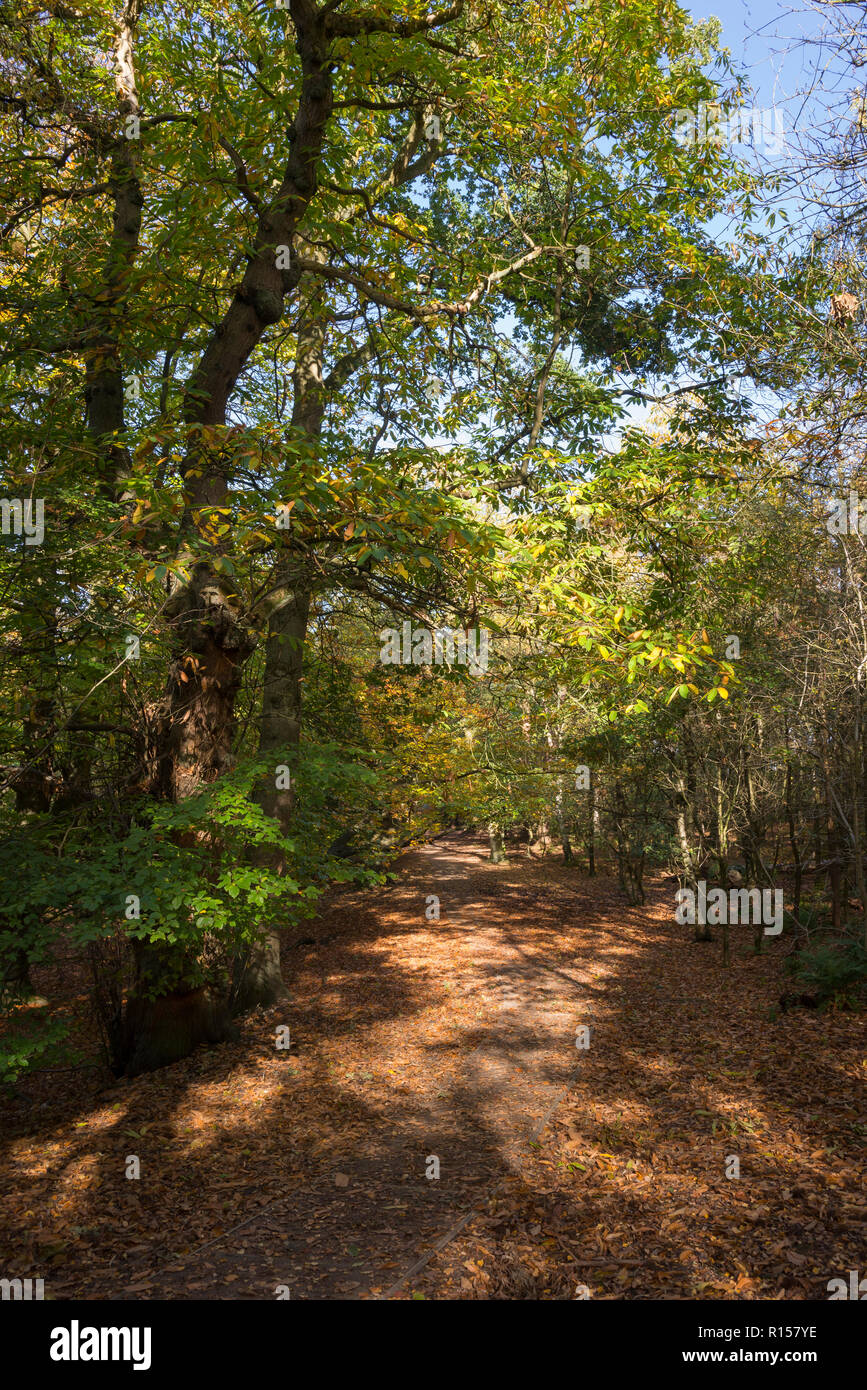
(376, 22)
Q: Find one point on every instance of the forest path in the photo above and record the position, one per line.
(420, 1040)
(306, 1169)
(559, 1169)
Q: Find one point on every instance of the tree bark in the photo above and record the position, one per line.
(258, 976)
(793, 840)
(684, 824)
(722, 846)
(495, 834)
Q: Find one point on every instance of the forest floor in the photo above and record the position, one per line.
(563, 1171)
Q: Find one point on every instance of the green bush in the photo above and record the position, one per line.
(835, 971)
(202, 879)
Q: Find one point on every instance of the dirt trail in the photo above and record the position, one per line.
(414, 1039)
(461, 1033)
(411, 1040)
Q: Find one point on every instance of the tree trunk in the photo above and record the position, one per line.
(722, 849)
(169, 1012)
(495, 833)
(563, 827)
(684, 818)
(793, 842)
(835, 875)
(258, 977)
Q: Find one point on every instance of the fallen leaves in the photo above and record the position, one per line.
(623, 1190)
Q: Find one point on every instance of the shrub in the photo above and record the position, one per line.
(834, 971)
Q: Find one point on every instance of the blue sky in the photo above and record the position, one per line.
(795, 80)
(758, 32)
(776, 45)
